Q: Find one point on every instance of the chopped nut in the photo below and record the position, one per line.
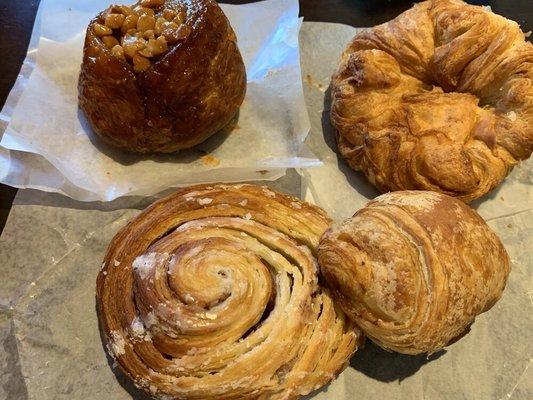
(181, 17)
(102, 30)
(155, 47)
(145, 22)
(126, 10)
(110, 41)
(160, 25)
(161, 44)
(143, 11)
(114, 21)
(130, 22)
(175, 35)
(146, 52)
(152, 3)
(164, 26)
(132, 45)
(118, 52)
(140, 63)
(144, 35)
(169, 14)
(149, 34)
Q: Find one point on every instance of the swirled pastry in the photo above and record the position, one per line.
(413, 269)
(160, 75)
(440, 98)
(212, 293)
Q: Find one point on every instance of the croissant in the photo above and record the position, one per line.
(413, 269)
(160, 75)
(212, 293)
(440, 98)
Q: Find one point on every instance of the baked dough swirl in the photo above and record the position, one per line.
(413, 269)
(212, 293)
(440, 98)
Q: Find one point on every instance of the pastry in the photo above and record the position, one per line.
(440, 98)
(212, 293)
(413, 269)
(160, 76)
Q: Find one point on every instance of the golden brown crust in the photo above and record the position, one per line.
(440, 98)
(212, 293)
(189, 93)
(413, 269)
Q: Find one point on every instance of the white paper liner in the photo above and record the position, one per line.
(47, 142)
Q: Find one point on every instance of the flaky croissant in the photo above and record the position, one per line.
(161, 75)
(413, 269)
(212, 293)
(440, 98)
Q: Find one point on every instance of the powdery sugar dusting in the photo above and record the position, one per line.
(386, 283)
(423, 201)
(137, 330)
(145, 263)
(296, 205)
(205, 201)
(117, 344)
(150, 319)
(269, 193)
(153, 389)
(188, 298)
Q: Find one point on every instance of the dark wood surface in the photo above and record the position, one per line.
(16, 22)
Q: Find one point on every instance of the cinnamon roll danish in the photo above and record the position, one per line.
(212, 293)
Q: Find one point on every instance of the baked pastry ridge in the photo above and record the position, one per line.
(212, 293)
(440, 98)
(169, 77)
(413, 269)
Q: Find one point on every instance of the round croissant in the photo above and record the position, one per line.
(160, 75)
(440, 98)
(212, 293)
(413, 269)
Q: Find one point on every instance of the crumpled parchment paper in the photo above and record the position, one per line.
(47, 143)
(52, 249)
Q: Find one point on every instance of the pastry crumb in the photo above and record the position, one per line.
(210, 161)
(311, 82)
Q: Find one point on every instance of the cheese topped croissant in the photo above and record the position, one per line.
(212, 293)
(440, 98)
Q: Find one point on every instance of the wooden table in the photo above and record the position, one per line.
(16, 22)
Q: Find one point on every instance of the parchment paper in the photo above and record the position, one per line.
(48, 144)
(52, 249)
